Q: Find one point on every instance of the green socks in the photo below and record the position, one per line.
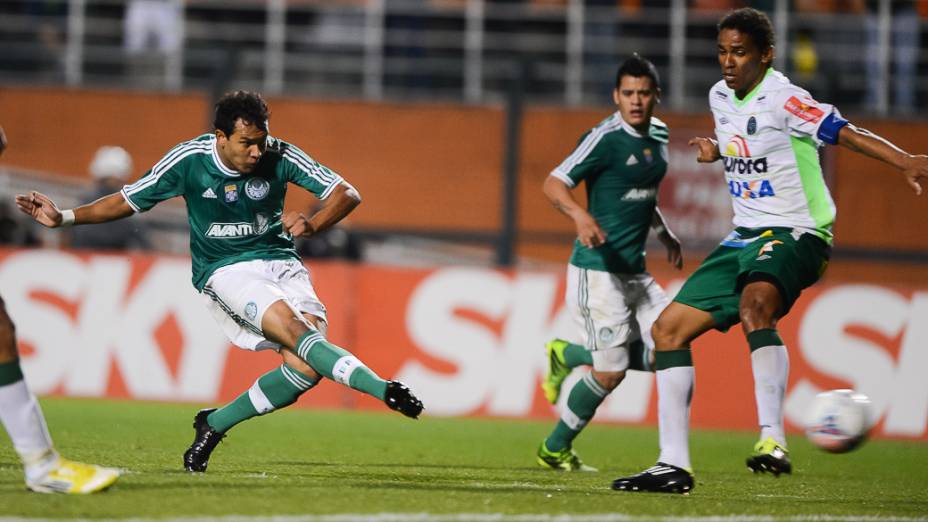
(577, 355)
(339, 365)
(10, 372)
(276, 389)
(582, 402)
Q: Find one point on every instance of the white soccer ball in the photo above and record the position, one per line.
(839, 420)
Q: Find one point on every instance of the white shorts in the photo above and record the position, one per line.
(613, 310)
(238, 295)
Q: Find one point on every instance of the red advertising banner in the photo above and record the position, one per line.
(467, 340)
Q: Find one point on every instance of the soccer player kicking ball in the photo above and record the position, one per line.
(609, 292)
(767, 135)
(46, 471)
(244, 263)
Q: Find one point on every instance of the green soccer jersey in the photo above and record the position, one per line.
(622, 170)
(233, 217)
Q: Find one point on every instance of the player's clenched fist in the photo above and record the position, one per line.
(707, 149)
(296, 224)
(40, 208)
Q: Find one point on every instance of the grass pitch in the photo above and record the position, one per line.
(318, 463)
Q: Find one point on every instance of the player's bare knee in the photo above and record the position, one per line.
(293, 360)
(666, 334)
(609, 380)
(318, 323)
(759, 307)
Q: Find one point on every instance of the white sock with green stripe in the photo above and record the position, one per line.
(22, 417)
(770, 365)
(276, 389)
(339, 365)
(581, 405)
(675, 378)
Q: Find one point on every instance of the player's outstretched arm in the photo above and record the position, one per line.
(668, 239)
(707, 149)
(913, 167)
(42, 209)
(343, 199)
(588, 231)
(2, 141)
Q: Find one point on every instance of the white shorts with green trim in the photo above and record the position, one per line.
(238, 295)
(612, 311)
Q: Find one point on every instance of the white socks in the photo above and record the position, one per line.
(674, 393)
(22, 417)
(771, 371)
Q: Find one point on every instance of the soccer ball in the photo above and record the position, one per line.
(839, 420)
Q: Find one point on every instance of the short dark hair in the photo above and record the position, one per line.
(751, 22)
(247, 105)
(638, 67)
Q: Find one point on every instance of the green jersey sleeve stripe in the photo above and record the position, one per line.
(313, 170)
(311, 166)
(298, 155)
(132, 205)
(587, 145)
(179, 149)
(154, 177)
(331, 188)
(564, 177)
(164, 165)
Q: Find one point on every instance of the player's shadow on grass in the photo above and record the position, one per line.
(406, 465)
(483, 488)
(187, 486)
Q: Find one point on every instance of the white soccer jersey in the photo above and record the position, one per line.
(769, 144)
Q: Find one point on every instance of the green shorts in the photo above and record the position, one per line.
(789, 259)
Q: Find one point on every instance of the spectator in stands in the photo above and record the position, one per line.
(47, 21)
(153, 30)
(110, 168)
(904, 41)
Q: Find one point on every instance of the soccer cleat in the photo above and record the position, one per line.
(557, 370)
(769, 457)
(659, 478)
(399, 398)
(205, 439)
(564, 460)
(74, 478)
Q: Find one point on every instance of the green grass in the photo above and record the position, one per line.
(319, 462)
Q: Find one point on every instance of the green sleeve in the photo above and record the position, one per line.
(302, 170)
(589, 157)
(164, 181)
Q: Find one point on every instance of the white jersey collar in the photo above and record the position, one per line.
(219, 164)
(628, 128)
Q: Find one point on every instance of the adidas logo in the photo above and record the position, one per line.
(631, 160)
(209, 194)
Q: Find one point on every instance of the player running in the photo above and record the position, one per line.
(767, 135)
(244, 263)
(612, 297)
(22, 418)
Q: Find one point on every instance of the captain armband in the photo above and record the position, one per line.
(830, 128)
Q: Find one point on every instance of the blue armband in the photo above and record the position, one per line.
(829, 129)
